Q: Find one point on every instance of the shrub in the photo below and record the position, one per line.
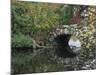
(20, 40)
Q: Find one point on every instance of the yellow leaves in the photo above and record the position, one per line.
(89, 33)
(94, 41)
(88, 45)
(92, 18)
(87, 38)
(91, 43)
(85, 34)
(42, 26)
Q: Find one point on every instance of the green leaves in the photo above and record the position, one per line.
(20, 40)
(66, 13)
(34, 17)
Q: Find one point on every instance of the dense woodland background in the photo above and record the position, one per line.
(32, 20)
